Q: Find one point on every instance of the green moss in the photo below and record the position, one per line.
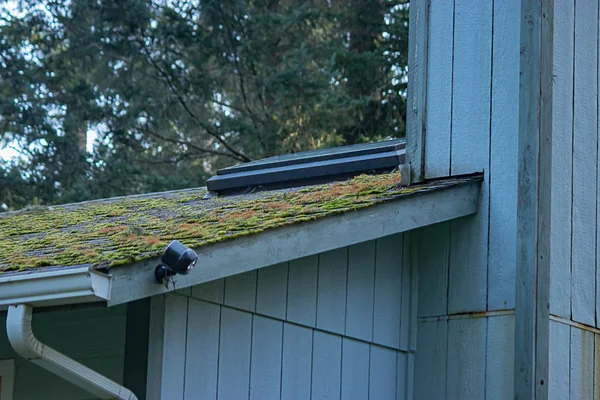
(125, 230)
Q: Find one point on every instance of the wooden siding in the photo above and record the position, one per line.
(303, 337)
(94, 337)
(574, 338)
(466, 267)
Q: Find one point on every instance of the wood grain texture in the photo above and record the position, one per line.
(558, 377)
(326, 366)
(271, 291)
(466, 359)
(500, 359)
(417, 88)
(355, 369)
(585, 158)
(388, 287)
(297, 362)
(331, 290)
(361, 282)
(213, 291)
(503, 170)
(433, 246)
(302, 291)
(430, 360)
(265, 375)
(470, 150)
(382, 378)
(582, 364)
(562, 161)
(240, 291)
(439, 89)
(202, 350)
(234, 354)
(534, 188)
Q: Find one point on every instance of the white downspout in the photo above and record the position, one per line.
(20, 335)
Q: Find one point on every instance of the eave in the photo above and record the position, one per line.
(446, 200)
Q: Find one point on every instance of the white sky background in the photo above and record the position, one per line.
(10, 150)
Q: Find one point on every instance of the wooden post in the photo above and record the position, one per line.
(417, 90)
(534, 185)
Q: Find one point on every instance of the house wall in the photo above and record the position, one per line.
(466, 267)
(335, 325)
(94, 337)
(574, 269)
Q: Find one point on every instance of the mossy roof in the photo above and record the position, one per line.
(119, 231)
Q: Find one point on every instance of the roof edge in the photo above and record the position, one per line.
(56, 287)
(446, 199)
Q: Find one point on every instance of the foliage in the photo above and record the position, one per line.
(174, 90)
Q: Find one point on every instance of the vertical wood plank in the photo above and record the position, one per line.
(331, 290)
(500, 358)
(361, 281)
(534, 188)
(156, 340)
(271, 290)
(596, 366)
(407, 315)
(582, 364)
(382, 376)
(176, 308)
(430, 360)
(355, 369)
(417, 89)
(503, 172)
(265, 376)
(559, 358)
(297, 362)
(234, 354)
(326, 366)
(466, 359)
(202, 352)
(135, 364)
(403, 376)
(302, 291)
(433, 249)
(562, 160)
(240, 291)
(470, 150)
(585, 158)
(213, 291)
(439, 89)
(388, 291)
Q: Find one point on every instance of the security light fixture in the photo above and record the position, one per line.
(177, 259)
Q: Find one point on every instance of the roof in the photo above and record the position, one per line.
(124, 230)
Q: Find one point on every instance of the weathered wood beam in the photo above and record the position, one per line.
(534, 194)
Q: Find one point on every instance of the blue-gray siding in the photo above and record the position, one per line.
(331, 326)
(574, 344)
(466, 267)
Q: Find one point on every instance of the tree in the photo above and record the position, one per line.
(174, 90)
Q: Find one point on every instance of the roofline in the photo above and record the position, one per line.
(55, 287)
(450, 199)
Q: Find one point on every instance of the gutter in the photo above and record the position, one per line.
(20, 293)
(55, 287)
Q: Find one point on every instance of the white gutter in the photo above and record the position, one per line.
(55, 287)
(20, 335)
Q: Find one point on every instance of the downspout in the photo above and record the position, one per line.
(25, 344)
